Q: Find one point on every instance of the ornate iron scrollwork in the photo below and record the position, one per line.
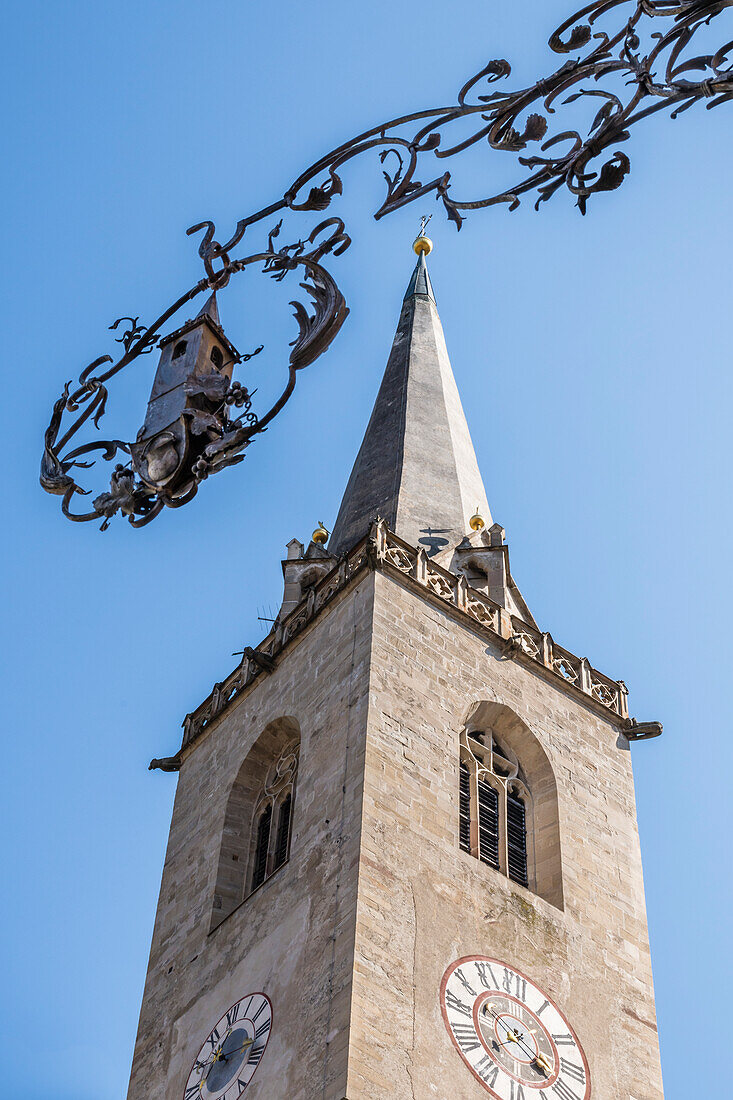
(208, 439)
(167, 469)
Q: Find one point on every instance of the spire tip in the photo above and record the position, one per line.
(210, 309)
(422, 244)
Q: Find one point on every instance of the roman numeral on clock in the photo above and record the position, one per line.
(191, 1091)
(457, 1004)
(464, 981)
(255, 1053)
(466, 1037)
(213, 1039)
(572, 1070)
(563, 1091)
(487, 1070)
(515, 984)
(479, 991)
(232, 1015)
(262, 1029)
(482, 968)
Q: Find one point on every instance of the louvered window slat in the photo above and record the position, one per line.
(263, 844)
(516, 839)
(488, 824)
(464, 822)
(493, 813)
(283, 833)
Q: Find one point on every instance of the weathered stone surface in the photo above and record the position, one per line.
(351, 938)
(293, 938)
(378, 670)
(423, 903)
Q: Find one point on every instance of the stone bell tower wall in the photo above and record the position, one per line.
(424, 903)
(293, 938)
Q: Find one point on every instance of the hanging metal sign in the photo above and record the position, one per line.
(193, 427)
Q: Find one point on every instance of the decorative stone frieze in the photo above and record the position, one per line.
(383, 550)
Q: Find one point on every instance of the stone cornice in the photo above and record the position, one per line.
(519, 639)
(261, 660)
(386, 552)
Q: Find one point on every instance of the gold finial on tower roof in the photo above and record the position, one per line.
(423, 244)
(476, 521)
(320, 535)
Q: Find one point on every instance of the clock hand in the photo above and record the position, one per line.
(215, 1055)
(542, 1062)
(221, 1057)
(511, 1036)
(208, 1066)
(219, 1053)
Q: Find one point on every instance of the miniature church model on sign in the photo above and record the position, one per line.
(404, 861)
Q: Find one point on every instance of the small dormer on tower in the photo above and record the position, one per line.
(187, 406)
(303, 568)
(483, 559)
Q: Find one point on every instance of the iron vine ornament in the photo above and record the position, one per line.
(164, 468)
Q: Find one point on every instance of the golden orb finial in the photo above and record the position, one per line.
(320, 535)
(422, 243)
(477, 521)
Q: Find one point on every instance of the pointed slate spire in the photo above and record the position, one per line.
(420, 281)
(416, 468)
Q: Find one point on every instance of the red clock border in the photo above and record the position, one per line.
(500, 962)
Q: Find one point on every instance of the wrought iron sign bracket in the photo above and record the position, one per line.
(631, 59)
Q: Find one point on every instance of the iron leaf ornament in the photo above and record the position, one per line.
(630, 59)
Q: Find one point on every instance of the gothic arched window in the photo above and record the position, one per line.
(258, 819)
(216, 357)
(507, 800)
(273, 819)
(495, 805)
(180, 349)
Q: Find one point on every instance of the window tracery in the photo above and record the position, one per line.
(258, 818)
(273, 819)
(495, 805)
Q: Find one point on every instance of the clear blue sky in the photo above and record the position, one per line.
(593, 356)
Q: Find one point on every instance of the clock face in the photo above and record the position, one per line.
(232, 1051)
(510, 1034)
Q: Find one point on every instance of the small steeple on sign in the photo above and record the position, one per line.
(168, 461)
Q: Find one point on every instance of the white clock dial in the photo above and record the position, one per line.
(232, 1051)
(510, 1034)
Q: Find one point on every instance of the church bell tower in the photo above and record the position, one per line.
(404, 862)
